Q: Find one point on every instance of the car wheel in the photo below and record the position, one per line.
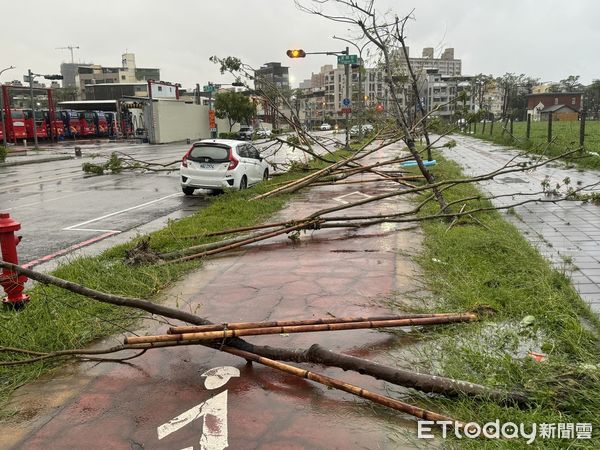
(266, 175)
(243, 183)
(188, 190)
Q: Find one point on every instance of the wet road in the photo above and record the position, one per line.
(60, 206)
(62, 209)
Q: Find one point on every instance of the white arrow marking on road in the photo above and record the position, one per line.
(212, 411)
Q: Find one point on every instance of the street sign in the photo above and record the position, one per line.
(209, 88)
(347, 59)
(346, 110)
(346, 102)
(212, 124)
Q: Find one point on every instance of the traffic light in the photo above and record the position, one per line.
(296, 53)
(53, 77)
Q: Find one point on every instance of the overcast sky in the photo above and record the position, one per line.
(546, 39)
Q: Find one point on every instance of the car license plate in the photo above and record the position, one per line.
(207, 166)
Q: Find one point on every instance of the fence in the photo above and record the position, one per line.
(553, 130)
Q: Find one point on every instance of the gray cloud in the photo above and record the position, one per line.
(544, 39)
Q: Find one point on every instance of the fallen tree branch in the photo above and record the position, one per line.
(337, 384)
(291, 329)
(293, 355)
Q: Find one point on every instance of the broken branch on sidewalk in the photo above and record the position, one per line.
(290, 329)
(427, 383)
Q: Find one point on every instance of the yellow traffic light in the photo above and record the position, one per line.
(296, 53)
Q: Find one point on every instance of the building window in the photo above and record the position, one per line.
(572, 100)
(556, 100)
(123, 77)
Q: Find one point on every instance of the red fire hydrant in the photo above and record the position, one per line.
(12, 282)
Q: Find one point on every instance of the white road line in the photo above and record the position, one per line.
(44, 180)
(91, 229)
(42, 201)
(119, 212)
(340, 198)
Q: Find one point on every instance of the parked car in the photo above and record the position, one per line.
(245, 132)
(325, 127)
(220, 164)
(366, 129)
(263, 133)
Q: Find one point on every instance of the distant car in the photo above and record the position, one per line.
(245, 132)
(325, 127)
(263, 133)
(366, 129)
(220, 164)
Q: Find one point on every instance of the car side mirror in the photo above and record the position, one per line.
(261, 157)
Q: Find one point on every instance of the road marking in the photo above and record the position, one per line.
(72, 227)
(92, 229)
(340, 198)
(43, 201)
(213, 413)
(12, 186)
(71, 248)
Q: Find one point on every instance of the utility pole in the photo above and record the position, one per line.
(347, 69)
(2, 107)
(35, 138)
(70, 48)
(361, 102)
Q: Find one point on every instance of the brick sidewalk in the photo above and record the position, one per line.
(328, 272)
(567, 233)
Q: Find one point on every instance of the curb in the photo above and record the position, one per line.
(35, 161)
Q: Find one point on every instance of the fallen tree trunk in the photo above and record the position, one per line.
(347, 387)
(283, 354)
(407, 378)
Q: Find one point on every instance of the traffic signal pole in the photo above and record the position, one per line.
(347, 69)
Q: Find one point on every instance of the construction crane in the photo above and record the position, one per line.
(71, 48)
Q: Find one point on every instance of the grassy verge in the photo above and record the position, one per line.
(565, 137)
(469, 266)
(56, 319)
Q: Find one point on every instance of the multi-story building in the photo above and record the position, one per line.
(69, 73)
(438, 93)
(330, 83)
(328, 89)
(271, 74)
(446, 63)
(127, 73)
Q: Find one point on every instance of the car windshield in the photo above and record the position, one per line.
(245, 129)
(17, 114)
(216, 153)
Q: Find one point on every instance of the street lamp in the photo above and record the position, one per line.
(2, 107)
(30, 77)
(360, 69)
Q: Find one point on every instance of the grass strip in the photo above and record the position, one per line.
(469, 266)
(58, 320)
(565, 136)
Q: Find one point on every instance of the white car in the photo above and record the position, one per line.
(263, 133)
(366, 129)
(325, 127)
(220, 164)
